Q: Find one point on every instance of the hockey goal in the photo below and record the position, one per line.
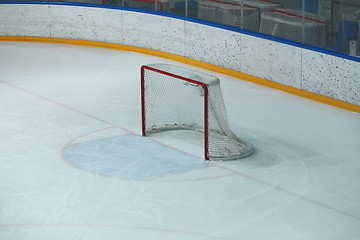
(175, 98)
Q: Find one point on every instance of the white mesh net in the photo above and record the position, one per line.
(177, 102)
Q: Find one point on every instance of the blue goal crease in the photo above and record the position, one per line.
(130, 156)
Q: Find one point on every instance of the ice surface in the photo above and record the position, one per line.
(302, 182)
(130, 157)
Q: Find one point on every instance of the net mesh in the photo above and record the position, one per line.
(172, 103)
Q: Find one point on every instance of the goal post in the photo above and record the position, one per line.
(175, 98)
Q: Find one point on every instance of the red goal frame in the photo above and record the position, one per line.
(143, 113)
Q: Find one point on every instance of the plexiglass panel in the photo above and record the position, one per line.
(328, 24)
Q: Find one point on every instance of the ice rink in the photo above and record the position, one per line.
(74, 166)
